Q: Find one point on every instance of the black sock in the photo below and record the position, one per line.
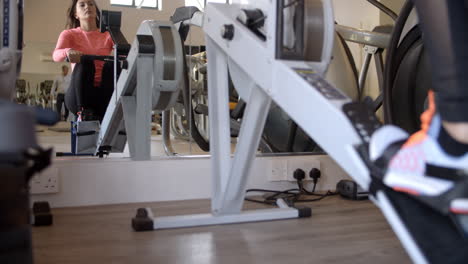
(450, 145)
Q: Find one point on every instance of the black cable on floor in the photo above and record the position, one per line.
(291, 196)
(271, 200)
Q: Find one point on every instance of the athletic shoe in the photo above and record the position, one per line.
(420, 167)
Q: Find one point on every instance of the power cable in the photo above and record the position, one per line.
(291, 196)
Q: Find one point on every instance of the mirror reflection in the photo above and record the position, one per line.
(183, 130)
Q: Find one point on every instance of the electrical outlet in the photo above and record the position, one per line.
(283, 169)
(279, 169)
(45, 182)
(305, 164)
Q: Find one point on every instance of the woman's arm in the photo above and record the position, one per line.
(63, 45)
(64, 48)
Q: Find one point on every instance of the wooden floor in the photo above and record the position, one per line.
(339, 231)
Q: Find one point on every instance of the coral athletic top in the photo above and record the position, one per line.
(91, 43)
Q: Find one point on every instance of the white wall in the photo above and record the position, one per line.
(115, 180)
(34, 69)
(33, 58)
(45, 19)
(395, 6)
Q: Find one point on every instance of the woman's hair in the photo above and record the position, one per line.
(72, 22)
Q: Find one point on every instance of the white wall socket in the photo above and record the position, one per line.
(45, 182)
(279, 169)
(305, 165)
(283, 169)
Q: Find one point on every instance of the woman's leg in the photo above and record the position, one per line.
(81, 92)
(445, 33)
(106, 89)
(70, 99)
(431, 163)
(58, 104)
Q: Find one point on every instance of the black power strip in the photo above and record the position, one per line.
(351, 190)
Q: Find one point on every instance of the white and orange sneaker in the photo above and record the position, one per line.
(419, 166)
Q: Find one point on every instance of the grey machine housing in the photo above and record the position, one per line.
(150, 81)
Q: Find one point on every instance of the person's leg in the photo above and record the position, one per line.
(58, 106)
(66, 111)
(445, 34)
(88, 91)
(105, 89)
(432, 163)
(81, 94)
(60, 101)
(70, 99)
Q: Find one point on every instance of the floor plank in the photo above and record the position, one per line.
(339, 231)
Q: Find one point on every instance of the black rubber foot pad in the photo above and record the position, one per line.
(43, 219)
(42, 214)
(142, 222)
(304, 211)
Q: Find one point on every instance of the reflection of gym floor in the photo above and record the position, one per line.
(58, 137)
(339, 231)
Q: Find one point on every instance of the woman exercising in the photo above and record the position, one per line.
(83, 37)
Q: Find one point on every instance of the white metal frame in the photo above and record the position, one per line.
(280, 81)
(230, 174)
(260, 78)
(138, 91)
(283, 212)
(321, 118)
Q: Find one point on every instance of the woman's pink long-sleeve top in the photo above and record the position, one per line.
(90, 43)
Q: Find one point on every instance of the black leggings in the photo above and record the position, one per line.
(82, 92)
(445, 34)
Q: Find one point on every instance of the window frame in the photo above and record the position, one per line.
(133, 5)
(204, 2)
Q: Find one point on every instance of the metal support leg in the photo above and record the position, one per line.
(229, 182)
(137, 111)
(218, 101)
(249, 138)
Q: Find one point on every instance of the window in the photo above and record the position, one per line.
(136, 3)
(201, 3)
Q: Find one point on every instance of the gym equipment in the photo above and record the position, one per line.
(157, 54)
(21, 94)
(84, 133)
(281, 133)
(406, 75)
(20, 155)
(149, 81)
(341, 127)
(41, 214)
(44, 94)
(374, 44)
(230, 177)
